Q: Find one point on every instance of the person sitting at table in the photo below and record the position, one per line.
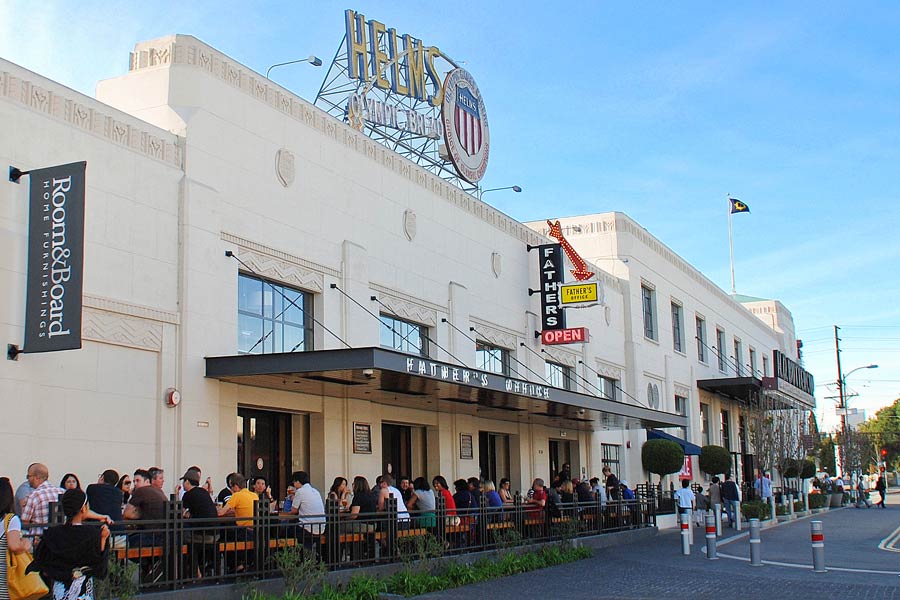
(308, 506)
(340, 492)
(363, 506)
(424, 502)
(505, 492)
(240, 505)
(389, 491)
(440, 487)
(491, 495)
(465, 502)
(199, 535)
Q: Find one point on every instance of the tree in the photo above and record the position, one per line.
(825, 453)
(714, 460)
(884, 431)
(662, 457)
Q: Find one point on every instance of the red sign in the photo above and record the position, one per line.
(687, 471)
(576, 335)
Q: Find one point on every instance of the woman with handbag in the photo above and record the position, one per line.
(72, 555)
(14, 552)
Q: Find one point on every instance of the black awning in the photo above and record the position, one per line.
(743, 389)
(689, 448)
(388, 377)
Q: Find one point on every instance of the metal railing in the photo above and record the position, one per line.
(178, 552)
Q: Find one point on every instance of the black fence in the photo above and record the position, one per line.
(179, 552)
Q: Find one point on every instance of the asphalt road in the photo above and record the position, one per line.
(857, 567)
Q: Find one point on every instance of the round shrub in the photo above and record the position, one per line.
(662, 457)
(714, 460)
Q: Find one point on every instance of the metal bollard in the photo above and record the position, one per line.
(755, 558)
(711, 552)
(737, 515)
(772, 509)
(685, 534)
(717, 511)
(791, 505)
(817, 535)
(806, 502)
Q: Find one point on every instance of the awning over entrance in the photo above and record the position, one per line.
(689, 448)
(388, 377)
(743, 389)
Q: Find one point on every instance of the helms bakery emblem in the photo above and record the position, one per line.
(466, 128)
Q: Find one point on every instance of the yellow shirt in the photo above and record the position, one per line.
(242, 503)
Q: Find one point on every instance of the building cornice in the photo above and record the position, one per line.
(41, 95)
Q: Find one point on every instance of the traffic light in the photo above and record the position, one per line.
(883, 453)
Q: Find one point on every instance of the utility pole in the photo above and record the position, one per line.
(843, 402)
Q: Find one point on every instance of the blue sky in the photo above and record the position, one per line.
(658, 110)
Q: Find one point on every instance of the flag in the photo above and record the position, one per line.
(737, 206)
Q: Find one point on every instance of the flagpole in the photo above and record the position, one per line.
(731, 246)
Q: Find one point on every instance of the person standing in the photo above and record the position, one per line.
(715, 494)
(684, 498)
(612, 484)
(731, 497)
(11, 539)
(862, 491)
(71, 556)
(763, 486)
(881, 488)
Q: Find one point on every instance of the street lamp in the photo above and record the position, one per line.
(514, 188)
(311, 59)
(842, 385)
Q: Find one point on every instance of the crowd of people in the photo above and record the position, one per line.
(113, 500)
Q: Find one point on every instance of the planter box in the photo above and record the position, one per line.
(836, 500)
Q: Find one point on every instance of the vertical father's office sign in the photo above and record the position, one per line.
(55, 258)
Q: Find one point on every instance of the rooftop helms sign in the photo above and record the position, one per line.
(408, 74)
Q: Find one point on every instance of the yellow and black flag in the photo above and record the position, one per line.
(738, 207)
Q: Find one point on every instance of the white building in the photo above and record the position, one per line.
(371, 316)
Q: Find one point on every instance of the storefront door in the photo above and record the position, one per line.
(264, 447)
(493, 456)
(396, 449)
(560, 454)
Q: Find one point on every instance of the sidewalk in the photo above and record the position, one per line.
(658, 569)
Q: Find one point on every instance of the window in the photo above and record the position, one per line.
(704, 423)
(752, 362)
(491, 358)
(725, 431)
(765, 366)
(677, 328)
(609, 387)
(610, 453)
(701, 339)
(681, 409)
(720, 349)
(272, 317)
(404, 336)
(648, 300)
(558, 375)
(738, 357)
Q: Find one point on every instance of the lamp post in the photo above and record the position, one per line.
(842, 386)
(311, 59)
(514, 188)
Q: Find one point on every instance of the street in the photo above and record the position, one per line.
(857, 566)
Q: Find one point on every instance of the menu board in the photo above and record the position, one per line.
(465, 446)
(362, 438)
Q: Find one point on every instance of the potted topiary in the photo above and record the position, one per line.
(714, 460)
(662, 457)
